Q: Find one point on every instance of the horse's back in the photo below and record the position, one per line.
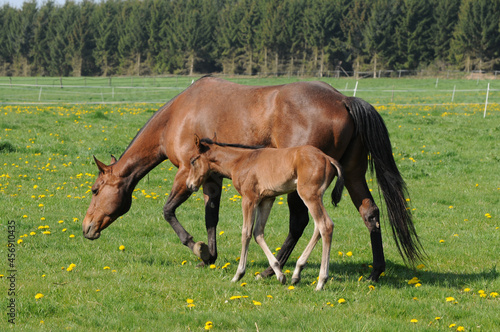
(286, 115)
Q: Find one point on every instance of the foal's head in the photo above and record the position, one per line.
(200, 164)
(110, 200)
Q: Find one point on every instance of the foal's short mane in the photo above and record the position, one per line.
(250, 147)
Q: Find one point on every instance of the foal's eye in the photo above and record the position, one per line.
(95, 191)
(193, 160)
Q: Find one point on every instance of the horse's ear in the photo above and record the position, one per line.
(113, 159)
(102, 167)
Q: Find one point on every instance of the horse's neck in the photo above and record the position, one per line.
(143, 154)
(227, 158)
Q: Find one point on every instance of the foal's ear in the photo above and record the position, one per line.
(113, 159)
(197, 141)
(102, 167)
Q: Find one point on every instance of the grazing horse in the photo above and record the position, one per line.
(302, 113)
(259, 175)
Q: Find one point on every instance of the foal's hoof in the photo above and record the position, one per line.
(282, 279)
(295, 281)
(200, 249)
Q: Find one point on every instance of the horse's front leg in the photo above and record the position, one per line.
(212, 189)
(299, 218)
(249, 211)
(179, 195)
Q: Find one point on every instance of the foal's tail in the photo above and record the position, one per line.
(371, 128)
(339, 185)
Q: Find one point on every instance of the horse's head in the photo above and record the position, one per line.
(110, 200)
(200, 165)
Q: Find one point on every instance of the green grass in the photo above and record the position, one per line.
(448, 154)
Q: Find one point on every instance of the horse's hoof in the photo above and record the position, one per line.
(258, 277)
(295, 281)
(200, 249)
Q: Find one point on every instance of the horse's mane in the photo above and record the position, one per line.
(250, 147)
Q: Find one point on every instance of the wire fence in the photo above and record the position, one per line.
(77, 90)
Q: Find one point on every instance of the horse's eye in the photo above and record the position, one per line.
(95, 191)
(193, 160)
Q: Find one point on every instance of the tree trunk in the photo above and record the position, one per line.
(375, 66)
(138, 64)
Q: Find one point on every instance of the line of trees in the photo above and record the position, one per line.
(150, 37)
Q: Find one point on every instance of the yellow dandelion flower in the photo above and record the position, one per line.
(341, 301)
(494, 294)
(189, 301)
(106, 268)
(450, 299)
(19, 241)
(243, 284)
(269, 296)
(480, 291)
(209, 325)
(360, 278)
(291, 287)
(72, 236)
(32, 233)
(418, 285)
(452, 325)
(60, 221)
(38, 296)
(371, 287)
(437, 318)
(213, 266)
(466, 289)
(414, 320)
(64, 229)
(191, 305)
(349, 254)
(121, 248)
(221, 232)
(420, 266)
(341, 253)
(441, 241)
(413, 281)
(183, 262)
(257, 303)
(235, 297)
(460, 328)
(46, 233)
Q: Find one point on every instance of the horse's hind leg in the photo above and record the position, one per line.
(179, 195)
(262, 214)
(299, 218)
(360, 194)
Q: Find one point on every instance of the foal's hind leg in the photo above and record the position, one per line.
(263, 211)
(323, 227)
(299, 218)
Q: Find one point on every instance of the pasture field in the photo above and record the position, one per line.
(448, 153)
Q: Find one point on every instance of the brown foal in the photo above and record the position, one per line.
(260, 175)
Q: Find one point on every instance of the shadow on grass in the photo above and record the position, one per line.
(394, 275)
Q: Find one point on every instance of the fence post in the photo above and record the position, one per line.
(355, 89)
(486, 103)
(453, 95)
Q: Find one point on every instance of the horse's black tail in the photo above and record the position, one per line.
(371, 128)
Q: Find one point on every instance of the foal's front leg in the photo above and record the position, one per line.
(249, 209)
(263, 211)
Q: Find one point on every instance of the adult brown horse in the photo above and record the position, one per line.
(303, 113)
